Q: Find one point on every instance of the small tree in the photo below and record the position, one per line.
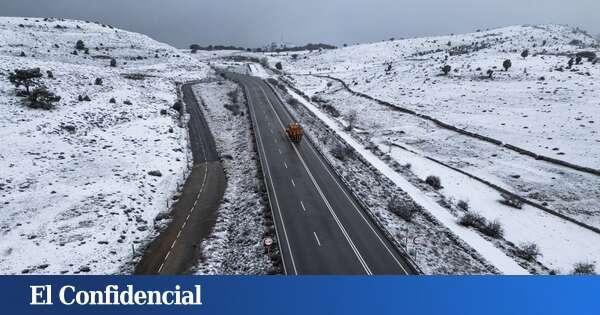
(113, 62)
(42, 98)
(25, 77)
(446, 69)
(525, 53)
(490, 73)
(279, 66)
(507, 64)
(578, 60)
(570, 63)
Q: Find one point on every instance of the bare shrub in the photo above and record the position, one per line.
(584, 268)
(463, 204)
(528, 251)
(471, 219)
(434, 182)
(493, 229)
(405, 209)
(341, 152)
(42, 98)
(446, 69)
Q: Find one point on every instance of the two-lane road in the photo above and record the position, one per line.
(177, 249)
(321, 229)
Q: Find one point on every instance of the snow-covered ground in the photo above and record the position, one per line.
(538, 104)
(533, 105)
(235, 245)
(75, 193)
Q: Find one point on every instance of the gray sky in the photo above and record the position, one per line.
(258, 22)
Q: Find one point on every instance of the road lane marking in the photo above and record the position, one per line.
(350, 199)
(302, 204)
(317, 238)
(293, 184)
(320, 158)
(270, 181)
(195, 202)
(329, 207)
(279, 151)
(285, 164)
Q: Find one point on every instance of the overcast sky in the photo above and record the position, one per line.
(258, 22)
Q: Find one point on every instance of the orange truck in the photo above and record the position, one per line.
(295, 132)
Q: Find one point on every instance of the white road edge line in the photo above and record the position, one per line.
(335, 217)
(268, 174)
(354, 205)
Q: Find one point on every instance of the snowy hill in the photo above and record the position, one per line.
(75, 193)
(540, 80)
(541, 103)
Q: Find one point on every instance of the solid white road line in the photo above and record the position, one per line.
(292, 180)
(354, 205)
(329, 207)
(270, 181)
(302, 204)
(285, 164)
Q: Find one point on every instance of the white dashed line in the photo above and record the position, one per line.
(317, 238)
(293, 184)
(285, 164)
(162, 265)
(302, 204)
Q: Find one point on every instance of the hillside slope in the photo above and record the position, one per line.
(540, 104)
(75, 193)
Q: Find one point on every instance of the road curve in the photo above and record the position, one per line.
(321, 229)
(177, 248)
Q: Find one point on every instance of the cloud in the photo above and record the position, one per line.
(259, 22)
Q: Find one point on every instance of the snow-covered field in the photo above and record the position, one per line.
(75, 193)
(234, 246)
(538, 104)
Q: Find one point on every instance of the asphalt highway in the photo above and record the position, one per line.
(321, 228)
(177, 248)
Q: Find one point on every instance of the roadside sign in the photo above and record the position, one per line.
(267, 242)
